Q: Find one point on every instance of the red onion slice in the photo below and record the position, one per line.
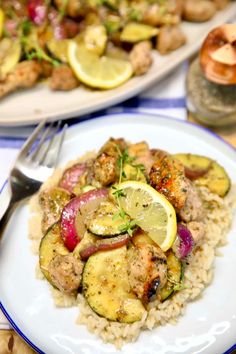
(71, 176)
(73, 214)
(186, 241)
(104, 245)
(37, 11)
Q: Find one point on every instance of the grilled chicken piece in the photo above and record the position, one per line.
(113, 147)
(170, 38)
(192, 209)
(147, 271)
(141, 57)
(66, 272)
(52, 201)
(167, 177)
(25, 75)
(106, 169)
(154, 15)
(198, 11)
(197, 229)
(142, 154)
(63, 79)
(220, 4)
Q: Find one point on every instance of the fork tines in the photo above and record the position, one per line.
(44, 144)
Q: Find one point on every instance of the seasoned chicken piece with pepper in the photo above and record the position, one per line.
(167, 177)
(170, 38)
(63, 79)
(141, 57)
(159, 15)
(25, 75)
(66, 273)
(52, 201)
(192, 209)
(198, 11)
(142, 154)
(147, 271)
(106, 169)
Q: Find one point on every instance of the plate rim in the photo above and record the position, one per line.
(89, 121)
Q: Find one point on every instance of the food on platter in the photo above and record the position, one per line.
(99, 44)
(129, 234)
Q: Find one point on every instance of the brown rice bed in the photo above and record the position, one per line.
(198, 273)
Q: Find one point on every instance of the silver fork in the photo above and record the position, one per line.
(34, 164)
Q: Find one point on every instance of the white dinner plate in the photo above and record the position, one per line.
(209, 324)
(30, 106)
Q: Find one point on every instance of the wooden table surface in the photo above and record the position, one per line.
(11, 343)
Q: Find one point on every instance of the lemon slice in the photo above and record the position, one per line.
(135, 32)
(95, 71)
(151, 211)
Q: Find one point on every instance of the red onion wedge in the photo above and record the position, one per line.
(185, 241)
(71, 176)
(104, 245)
(37, 10)
(74, 213)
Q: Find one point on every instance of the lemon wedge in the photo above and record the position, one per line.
(98, 72)
(151, 211)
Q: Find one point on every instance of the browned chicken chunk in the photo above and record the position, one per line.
(220, 4)
(198, 11)
(63, 79)
(66, 272)
(197, 229)
(141, 57)
(167, 177)
(147, 271)
(106, 169)
(52, 201)
(25, 75)
(142, 154)
(192, 209)
(170, 38)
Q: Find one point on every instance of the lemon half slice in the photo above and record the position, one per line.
(151, 211)
(95, 71)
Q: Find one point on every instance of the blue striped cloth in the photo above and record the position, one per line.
(165, 98)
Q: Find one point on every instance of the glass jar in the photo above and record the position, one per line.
(210, 103)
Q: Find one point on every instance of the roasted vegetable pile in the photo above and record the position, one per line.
(121, 227)
(68, 41)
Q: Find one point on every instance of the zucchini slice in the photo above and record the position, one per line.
(216, 179)
(105, 221)
(106, 287)
(174, 275)
(50, 246)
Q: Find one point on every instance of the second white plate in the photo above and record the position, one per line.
(30, 106)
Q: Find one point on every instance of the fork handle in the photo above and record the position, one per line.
(6, 216)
